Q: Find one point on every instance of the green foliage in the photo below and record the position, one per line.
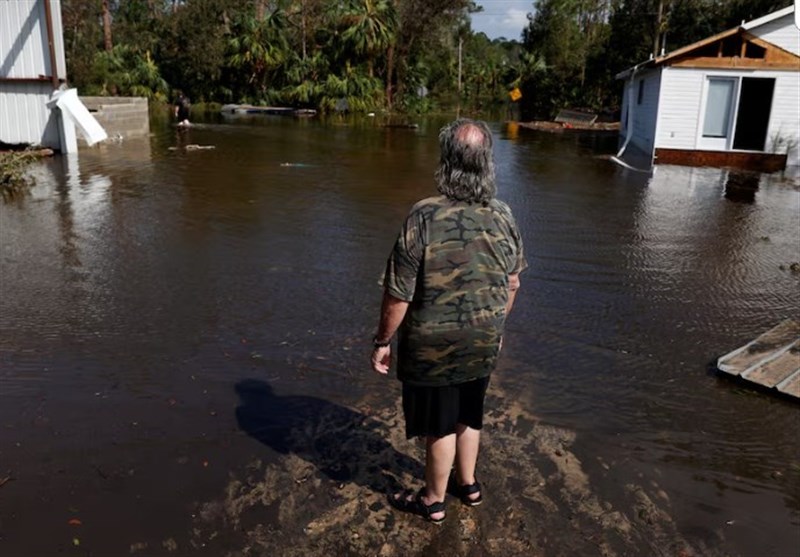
(369, 27)
(123, 71)
(83, 37)
(362, 93)
(585, 43)
(377, 54)
(194, 47)
(257, 53)
(13, 178)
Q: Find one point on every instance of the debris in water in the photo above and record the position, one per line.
(194, 147)
(141, 546)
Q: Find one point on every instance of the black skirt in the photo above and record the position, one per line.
(437, 411)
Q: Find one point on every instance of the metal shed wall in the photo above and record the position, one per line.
(26, 71)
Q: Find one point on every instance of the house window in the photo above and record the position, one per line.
(737, 113)
(640, 94)
(718, 107)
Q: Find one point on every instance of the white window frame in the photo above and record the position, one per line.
(718, 143)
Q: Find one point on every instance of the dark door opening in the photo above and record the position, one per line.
(755, 106)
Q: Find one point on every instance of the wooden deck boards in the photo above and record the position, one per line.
(791, 385)
(772, 360)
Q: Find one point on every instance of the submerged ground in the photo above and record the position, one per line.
(184, 337)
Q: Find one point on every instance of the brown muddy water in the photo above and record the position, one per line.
(184, 341)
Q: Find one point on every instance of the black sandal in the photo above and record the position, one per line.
(463, 492)
(402, 502)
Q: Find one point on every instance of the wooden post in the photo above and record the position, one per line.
(460, 44)
(659, 22)
(107, 27)
(51, 46)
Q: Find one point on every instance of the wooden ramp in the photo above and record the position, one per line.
(772, 360)
(575, 118)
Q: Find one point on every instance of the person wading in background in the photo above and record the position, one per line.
(182, 105)
(449, 285)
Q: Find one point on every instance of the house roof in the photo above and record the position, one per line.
(743, 30)
(767, 18)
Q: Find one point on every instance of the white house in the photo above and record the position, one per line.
(732, 99)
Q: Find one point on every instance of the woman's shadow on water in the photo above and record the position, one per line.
(345, 445)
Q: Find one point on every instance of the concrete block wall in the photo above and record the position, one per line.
(121, 117)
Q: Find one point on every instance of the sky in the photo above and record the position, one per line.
(502, 18)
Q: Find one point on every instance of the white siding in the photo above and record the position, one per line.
(681, 97)
(681, 103)
(642, 115)
(781, 32)
(24, 53)
(784, 121)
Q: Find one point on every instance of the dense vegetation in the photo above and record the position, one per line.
(13, 177)
(366, 55)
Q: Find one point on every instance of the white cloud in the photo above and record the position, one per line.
(508, 21)
(516, 19)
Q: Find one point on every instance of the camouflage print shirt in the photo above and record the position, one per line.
(451, 261)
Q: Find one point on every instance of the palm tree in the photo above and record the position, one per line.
(259, 47)
(371, 26)
(530, 64)
(125, 71)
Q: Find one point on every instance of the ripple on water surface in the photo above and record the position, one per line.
(152, 275)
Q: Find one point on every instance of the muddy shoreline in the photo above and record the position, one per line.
(327, 495)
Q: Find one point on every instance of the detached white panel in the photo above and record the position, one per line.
(74, 112)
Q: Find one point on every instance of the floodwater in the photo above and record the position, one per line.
(184, 342)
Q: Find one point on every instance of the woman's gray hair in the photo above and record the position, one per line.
(466, 166)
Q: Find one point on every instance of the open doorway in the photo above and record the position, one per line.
(752, 119)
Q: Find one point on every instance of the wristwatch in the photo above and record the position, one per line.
(380, 344)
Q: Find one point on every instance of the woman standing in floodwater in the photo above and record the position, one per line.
(449, 284)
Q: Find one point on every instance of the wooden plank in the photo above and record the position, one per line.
(749, 355)
(791, 385)
(574, 117)
(781, 365)
(736, 62)
(763, 162)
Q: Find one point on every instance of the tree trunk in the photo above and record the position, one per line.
(106, 27)
(659, 25)
(303, 23)
(389, 75)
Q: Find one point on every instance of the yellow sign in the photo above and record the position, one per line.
(515, 94)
